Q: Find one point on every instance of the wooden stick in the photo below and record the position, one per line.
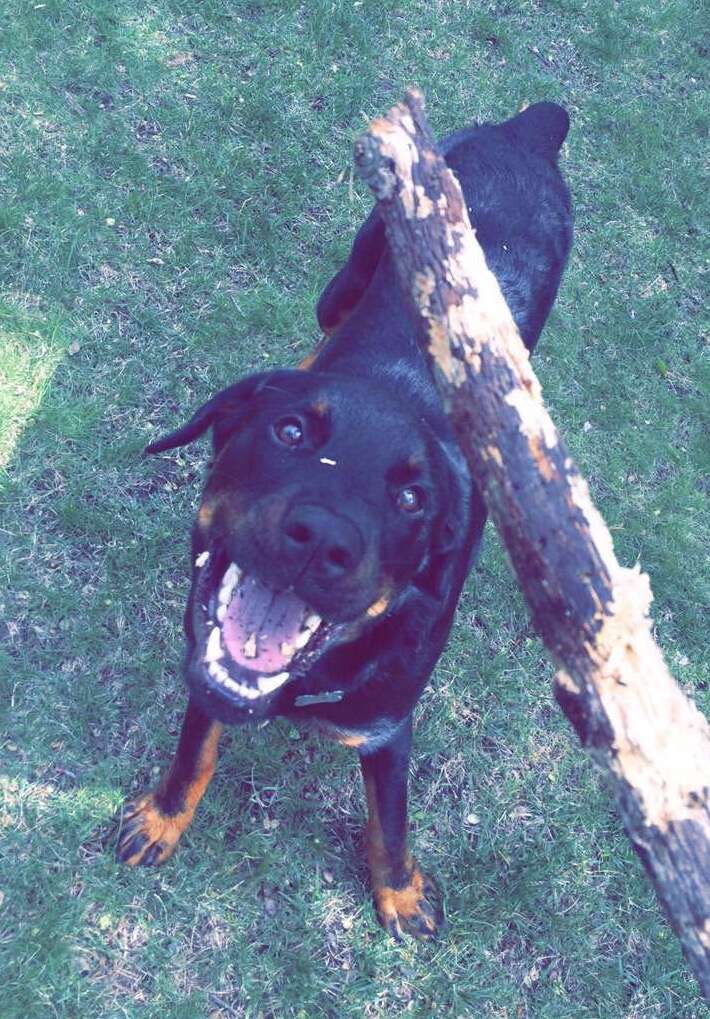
(591, 613)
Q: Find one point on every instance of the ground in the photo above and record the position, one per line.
(177, 188)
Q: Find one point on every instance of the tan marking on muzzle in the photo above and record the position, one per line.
(308, 360)
(321, 407)
(205, 515)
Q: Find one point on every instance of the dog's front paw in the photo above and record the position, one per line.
(147, 836)
(414, 909)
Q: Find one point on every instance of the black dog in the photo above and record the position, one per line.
(339, 520)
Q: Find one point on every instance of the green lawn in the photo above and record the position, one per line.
(176, 189)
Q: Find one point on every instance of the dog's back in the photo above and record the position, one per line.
(519, 206)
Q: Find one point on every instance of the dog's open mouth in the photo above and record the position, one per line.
(251, 638)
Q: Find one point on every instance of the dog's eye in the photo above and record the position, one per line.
(289, 431)
(410, 500)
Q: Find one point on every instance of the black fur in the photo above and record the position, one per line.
(330, 514)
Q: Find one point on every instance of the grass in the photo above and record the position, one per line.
(176, 190)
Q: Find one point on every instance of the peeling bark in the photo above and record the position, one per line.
(592, 614)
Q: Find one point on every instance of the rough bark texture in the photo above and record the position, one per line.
(591, 613)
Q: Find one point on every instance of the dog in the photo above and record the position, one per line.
(339, 520)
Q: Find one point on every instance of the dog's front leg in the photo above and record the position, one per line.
(405, 898)
(152, 824)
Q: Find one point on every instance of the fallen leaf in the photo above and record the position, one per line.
(180, 59)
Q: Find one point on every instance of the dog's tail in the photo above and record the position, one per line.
(542, 127)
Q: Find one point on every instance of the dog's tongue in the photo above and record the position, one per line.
(261, 626)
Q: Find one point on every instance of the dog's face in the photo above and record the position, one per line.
(325, 500)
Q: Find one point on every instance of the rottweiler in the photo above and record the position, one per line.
(339, 520)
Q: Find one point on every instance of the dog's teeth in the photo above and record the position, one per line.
(243, 690)
(268, 683)
(214, 651)
(229, 582)
(302, 639)
(217, 671)
(201, 559)
(221, 613)
(287, 649)
(310, 625)
(247, 692)
(250, 647)
(232, 575)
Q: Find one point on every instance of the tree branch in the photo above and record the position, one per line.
(591, 613)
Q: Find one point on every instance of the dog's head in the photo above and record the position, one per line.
(325, 501)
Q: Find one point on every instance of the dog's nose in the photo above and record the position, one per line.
(314, 535)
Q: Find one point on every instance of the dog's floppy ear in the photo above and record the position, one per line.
(461, 520)
(228, 401)
(542, 127)
(451, 528)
